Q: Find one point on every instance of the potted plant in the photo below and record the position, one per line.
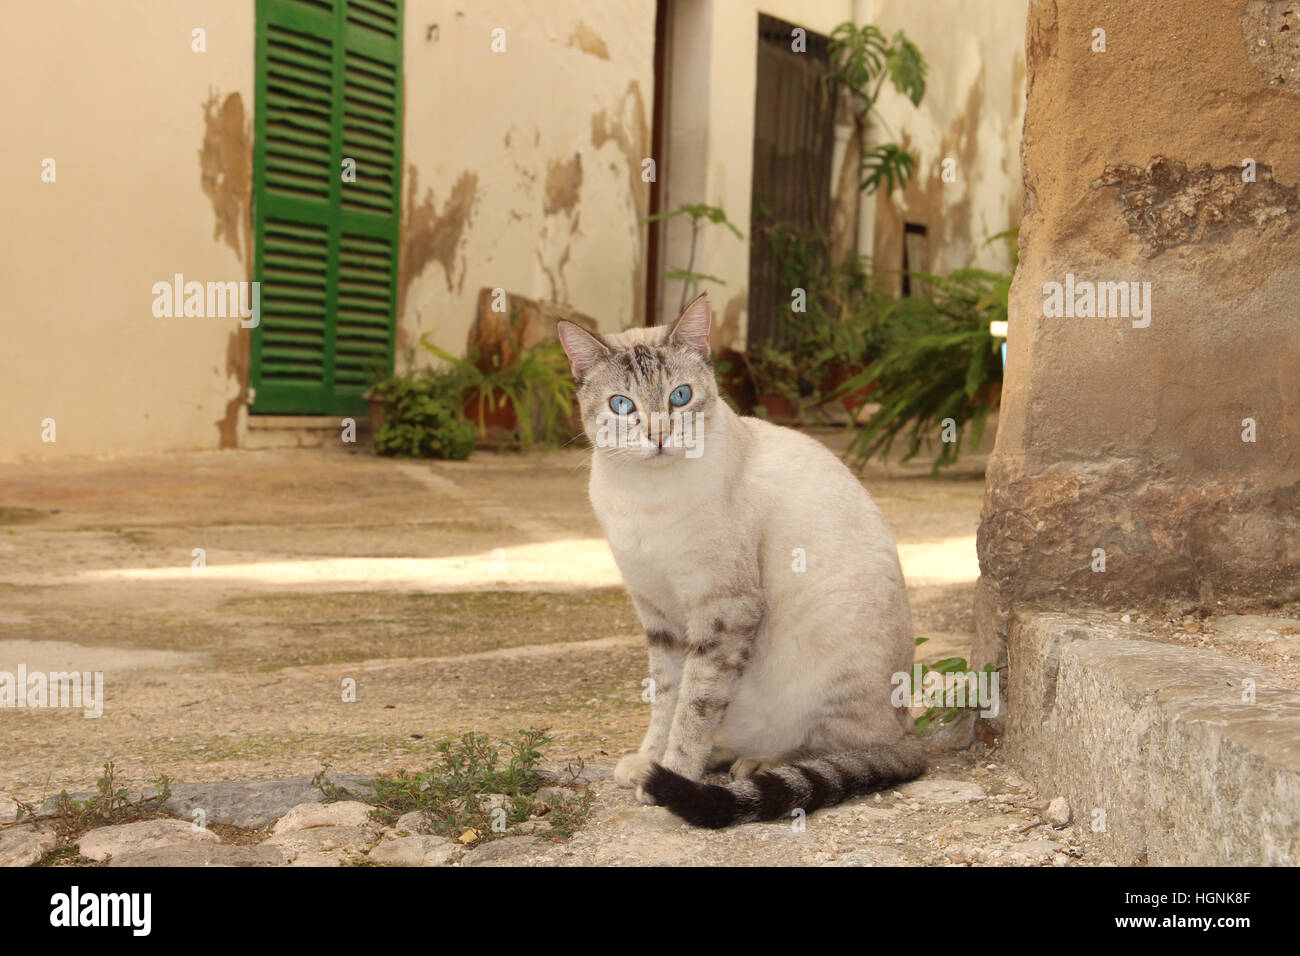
(776, 378)
(939, 364)
(419, 416)
(832, 327)
(528, 392)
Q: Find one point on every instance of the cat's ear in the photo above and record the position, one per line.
(583, 349)
(692, 326)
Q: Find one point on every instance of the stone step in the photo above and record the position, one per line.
(1172, 755)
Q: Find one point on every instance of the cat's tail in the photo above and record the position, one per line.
(805, 785)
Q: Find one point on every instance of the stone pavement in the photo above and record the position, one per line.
(260, 615)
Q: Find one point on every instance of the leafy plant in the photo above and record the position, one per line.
(500, 371)
(838, 329)
(537, 386)
(474, 784)
(863, 60)
(699, 214)
(943, 713)
(888, 164)
(422, 417)
(775, 373)
(938, 366)
(111, 804)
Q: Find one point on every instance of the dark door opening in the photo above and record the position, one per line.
(913, 253)
(794, 137)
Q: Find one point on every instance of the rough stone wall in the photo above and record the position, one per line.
(1152, 457)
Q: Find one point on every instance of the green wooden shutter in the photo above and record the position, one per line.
(329, 87)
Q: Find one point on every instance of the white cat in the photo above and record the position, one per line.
(766, 579)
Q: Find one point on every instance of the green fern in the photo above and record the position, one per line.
(938, 362)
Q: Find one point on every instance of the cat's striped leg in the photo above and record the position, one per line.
(666, 654)
(717, 652)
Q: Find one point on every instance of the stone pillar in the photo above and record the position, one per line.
(1148, 452)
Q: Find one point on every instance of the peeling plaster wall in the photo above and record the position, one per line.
(134, 203)
(972, 112)
(523, 168)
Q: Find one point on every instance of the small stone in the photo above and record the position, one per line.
(113, 841)
(413, 823)
(469, 836)
(205, 854)
(253, 804)
(307, 816)
(942, 791)
(505, 852)
(1034, 852)
(414, 851)
(443, 854)
(324, 846)
(554, 796)
(1057, 813)
(25, 845)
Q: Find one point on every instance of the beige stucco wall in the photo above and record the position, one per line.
(522, 170)
(526, 164)
(114, 94)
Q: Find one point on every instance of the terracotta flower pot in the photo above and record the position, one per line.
(375, 412)
(493, 410)
(777, 406)
(853, 400)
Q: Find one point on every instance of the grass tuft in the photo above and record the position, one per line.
(477, 790)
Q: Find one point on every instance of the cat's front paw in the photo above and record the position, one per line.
(632, 769)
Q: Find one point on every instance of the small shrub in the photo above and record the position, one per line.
(422, 417)
(112, 804)
(450, 794)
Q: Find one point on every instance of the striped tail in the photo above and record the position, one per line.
(807, 785)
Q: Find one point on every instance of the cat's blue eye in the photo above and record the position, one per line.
(680, 396)
(621, 405)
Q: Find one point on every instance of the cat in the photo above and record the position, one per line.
(766, 580)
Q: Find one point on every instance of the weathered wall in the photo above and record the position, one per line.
(973, 109)
(1129, 440)
(152, 164)
(523, 168)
